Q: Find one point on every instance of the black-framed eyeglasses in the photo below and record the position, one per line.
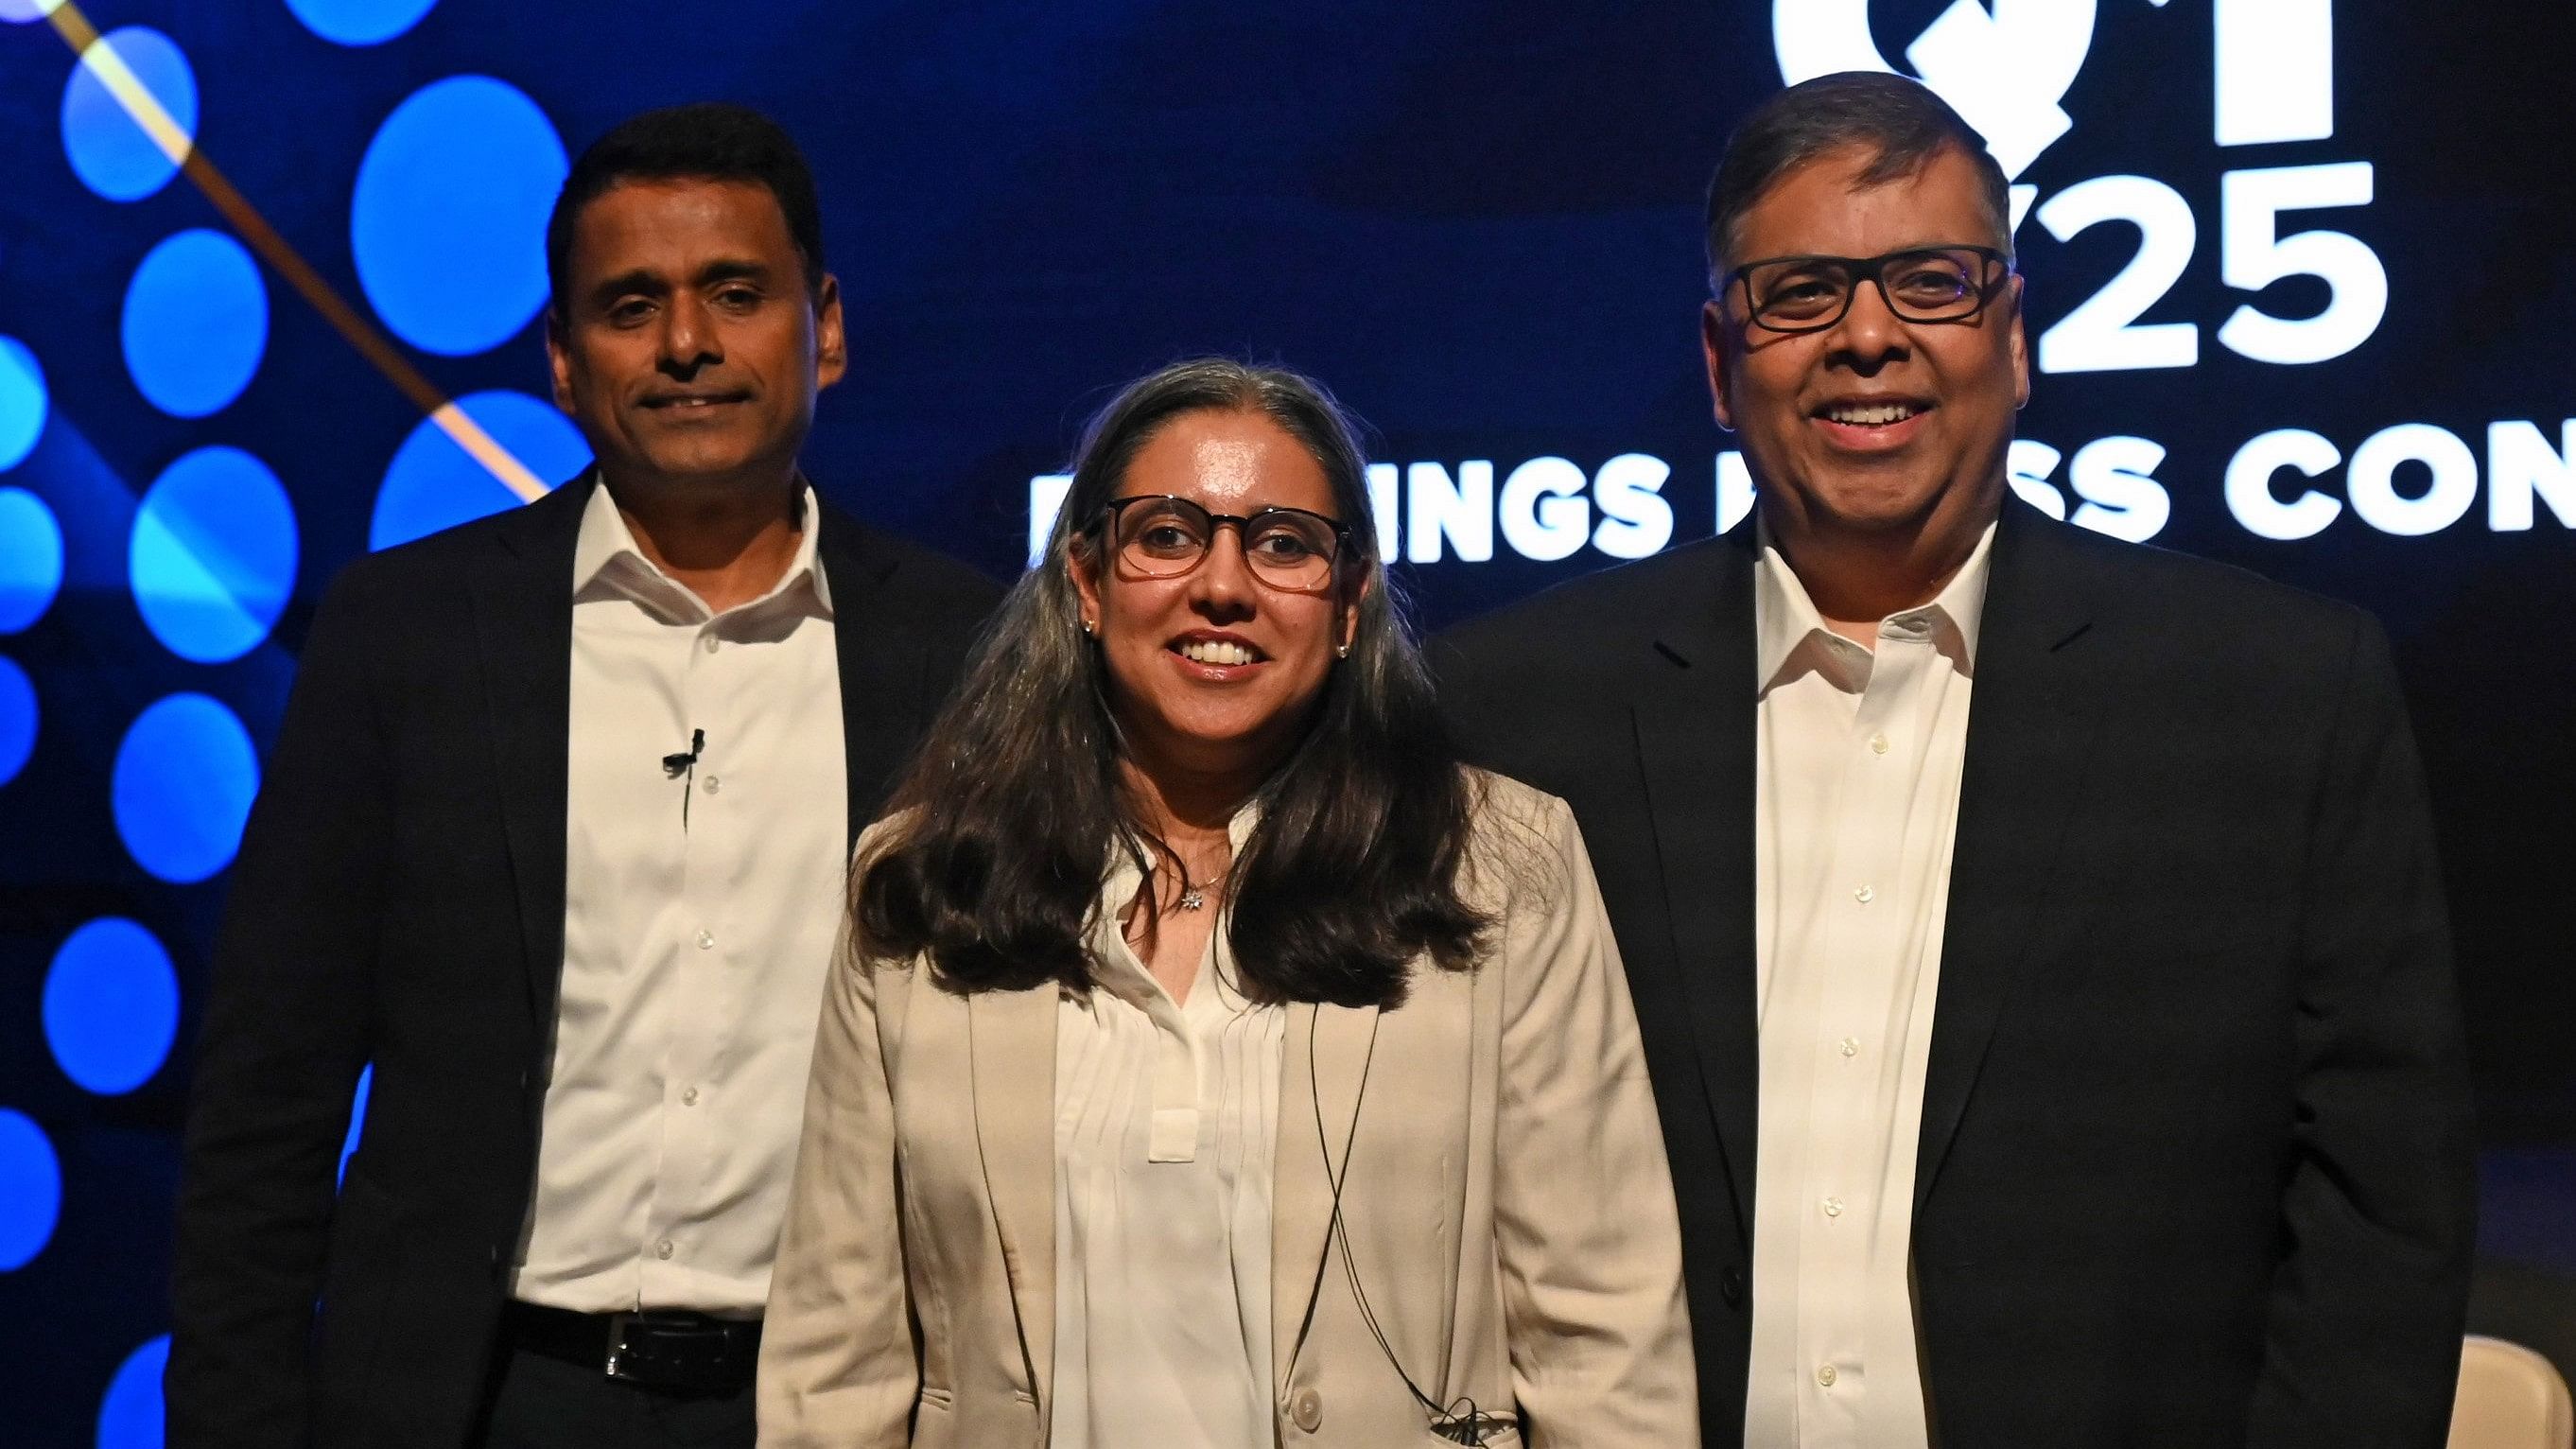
(1161, 535)
(1922, 284)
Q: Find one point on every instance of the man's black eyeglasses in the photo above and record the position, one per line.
(1924, 284)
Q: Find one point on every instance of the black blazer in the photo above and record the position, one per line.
(399, 898)
(2195, 1163)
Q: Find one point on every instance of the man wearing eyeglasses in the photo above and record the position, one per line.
(2037, 937)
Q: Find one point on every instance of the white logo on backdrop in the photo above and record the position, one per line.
(2003, 69)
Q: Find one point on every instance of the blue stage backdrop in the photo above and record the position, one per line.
(2299, 277)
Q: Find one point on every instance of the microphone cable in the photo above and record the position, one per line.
(1461, 1422)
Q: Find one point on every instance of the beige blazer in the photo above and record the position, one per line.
(1507, 1209)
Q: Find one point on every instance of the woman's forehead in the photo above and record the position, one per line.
(1229, 462)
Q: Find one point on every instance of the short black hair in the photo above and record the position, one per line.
(707, 141)
(1902, 122)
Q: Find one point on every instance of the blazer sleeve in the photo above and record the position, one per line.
(2362, 1338)
(1587, 1234)
(285, 1035)
(839, 1355)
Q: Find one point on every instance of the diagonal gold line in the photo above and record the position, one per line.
(156, 122)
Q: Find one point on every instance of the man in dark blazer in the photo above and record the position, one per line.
(469, 844)
(2186, 1156)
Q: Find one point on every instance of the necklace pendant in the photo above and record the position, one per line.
(1191, 900)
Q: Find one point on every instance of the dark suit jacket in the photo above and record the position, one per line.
(2195, 1163)
(399, 899)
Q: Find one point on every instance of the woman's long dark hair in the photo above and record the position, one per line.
(1005, 824)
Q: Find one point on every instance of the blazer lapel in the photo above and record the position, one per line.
(1012, 1045)
(2030, 733)
(522, 605)
(883, 669)
(1325, 1065)
(1695, 724)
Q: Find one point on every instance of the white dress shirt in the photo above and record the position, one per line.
(700, 910)
(1166, 1116)
(1857, 801)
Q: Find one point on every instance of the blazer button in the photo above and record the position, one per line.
(1307, 1409)
(1730, 1286)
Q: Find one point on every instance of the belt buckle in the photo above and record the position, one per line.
(619, 1356)
(650, 1351)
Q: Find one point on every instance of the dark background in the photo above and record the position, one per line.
(1477, 220)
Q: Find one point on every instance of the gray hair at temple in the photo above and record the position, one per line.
(1901, 121)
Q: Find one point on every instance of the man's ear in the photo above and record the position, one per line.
(831, 345)
(558, 357)
(2020, 346)
(1713, 330)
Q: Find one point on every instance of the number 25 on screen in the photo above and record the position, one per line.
(2104, 334)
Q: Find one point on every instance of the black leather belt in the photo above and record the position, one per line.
(671, 1350)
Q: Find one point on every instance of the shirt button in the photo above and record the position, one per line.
(689, 1098)
(711, 644)
(1307, 1409)
(1833, 1207)
(713, 784)
(1864, 895)
(662, 1249)
(1826, 1376)
(706, 940)
(1851, 1046)
(1878, 744)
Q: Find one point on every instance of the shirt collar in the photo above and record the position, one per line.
(606, 555)
(1785, 618)
(1120, 886)
(1125, 878)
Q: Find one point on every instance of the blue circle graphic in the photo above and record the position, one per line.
(17, 720)
(196, 321)
(111, 1006)
(433, 484)
(212, 558)
(19, 12)
(109, 149)
(448, 223)
(31, 1190)
(359, 22)
(22, 402)
(184, 777)
(130, 1416)
(31, 559)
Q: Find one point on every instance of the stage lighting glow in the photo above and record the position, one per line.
(21, 12)
(357, 1118)
(22, 402)
(448, 222)
(31, 1190)
(110, 150)
(31, 559)
(184, 777)
(213, 554)
(111, 1006)
(17, 720)
(360, 22)
(130, 1415)
(433, 484)
(196, 322)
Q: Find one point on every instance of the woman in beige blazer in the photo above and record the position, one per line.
(1213, 1061)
